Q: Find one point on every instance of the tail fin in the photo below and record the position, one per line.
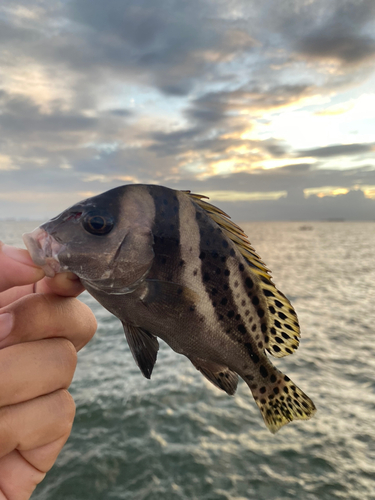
(281, 401)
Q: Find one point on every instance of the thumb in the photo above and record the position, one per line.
(17, 268)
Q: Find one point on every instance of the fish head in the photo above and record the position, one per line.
(105, 240)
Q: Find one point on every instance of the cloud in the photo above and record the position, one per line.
(344, 35)
(188, 94)
(338, 150)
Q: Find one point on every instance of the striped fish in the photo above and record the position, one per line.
(170, 265)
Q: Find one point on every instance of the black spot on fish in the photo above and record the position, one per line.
(225, 243)
(279, 340)
(272, 310)
(254, 327)
(288, 326)
(282, 315)
(241, 267)
(278, 303)
(232, 252)
(277, 324)
(273, 330)
(230, 314)
(243, 303)
(263, 371)
(195, 272)
(224, 301)
(276, 348)
(192, 308)
(182, 262)
(249, 282)
(260, 345)
(286, 378)
(255, 300)
(260, 312)
(227, 272)
(268, 293)
(241, 328)
(263, 327)
(292, 311)
(263, 401)
(273, 378)
(202, 255)
(238, 317)
(289, 351)
(285, 335)
(266, 339)
(262, 390)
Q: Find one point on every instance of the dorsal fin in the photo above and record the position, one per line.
(282, 338)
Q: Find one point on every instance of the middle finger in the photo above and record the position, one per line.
(39, 316)
(33, 369)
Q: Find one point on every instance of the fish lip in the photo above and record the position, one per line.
(44, 250)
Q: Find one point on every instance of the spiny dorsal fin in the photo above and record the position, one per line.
(282, 338)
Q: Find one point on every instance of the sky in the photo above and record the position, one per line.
(266, 107)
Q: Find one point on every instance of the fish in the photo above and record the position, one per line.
(172, 266)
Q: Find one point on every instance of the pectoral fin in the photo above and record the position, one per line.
(143, 346)
(221, 376)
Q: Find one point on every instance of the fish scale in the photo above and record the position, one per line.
(170, 265)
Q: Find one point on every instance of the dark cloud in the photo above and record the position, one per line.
(353, 206)
(343, 34)
(290, 178)
(350, 49)
(338, 150)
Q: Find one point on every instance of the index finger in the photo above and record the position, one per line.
(17, 268)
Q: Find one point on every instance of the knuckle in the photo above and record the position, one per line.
(67, 408)
(6, 423)
(68, 354)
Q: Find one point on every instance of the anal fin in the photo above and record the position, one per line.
(220, 376)
(143, 346)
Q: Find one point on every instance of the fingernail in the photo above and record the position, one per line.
(6, 325)
(18, 254)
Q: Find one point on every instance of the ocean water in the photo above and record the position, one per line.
(177, 437)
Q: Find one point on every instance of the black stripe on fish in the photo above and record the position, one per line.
(166, 233)
(215, 252)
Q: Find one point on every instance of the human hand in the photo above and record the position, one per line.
(40, 334)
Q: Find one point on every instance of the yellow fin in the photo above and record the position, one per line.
(282, 337)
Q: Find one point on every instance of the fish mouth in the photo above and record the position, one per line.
(44, 250)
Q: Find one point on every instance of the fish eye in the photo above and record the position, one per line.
(98, 222)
